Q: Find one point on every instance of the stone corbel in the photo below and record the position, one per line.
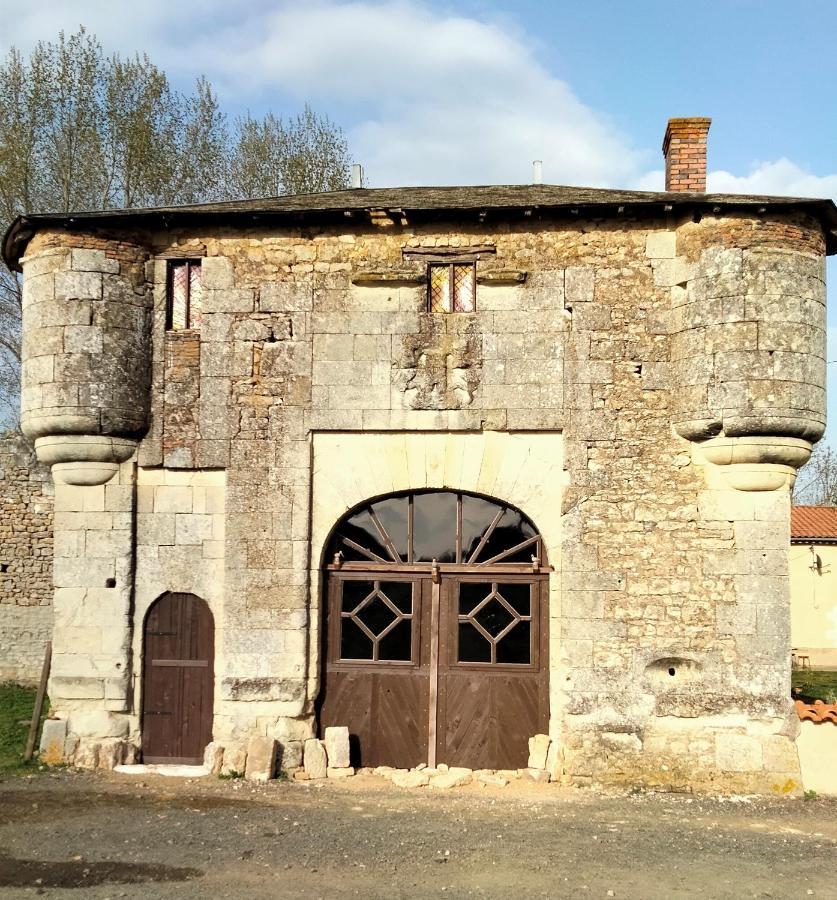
(756, 463)
(84, 459)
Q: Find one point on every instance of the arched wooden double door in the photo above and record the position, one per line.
(178, 680)
(436, 632)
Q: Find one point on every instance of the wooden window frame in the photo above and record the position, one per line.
(449, 265)
(190, 263)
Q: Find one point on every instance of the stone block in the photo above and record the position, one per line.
(111, 753)
(538, 750)
(217, 272)
(344, 772)
(87, 755)
(493, 779)
(738, 753)
(337, 746)
(213, 758)
(290, 755)
(661, 244)
(93, 261)
(235, 760)
(314, 758)
(261, 759)
(78, 286)
(411, 779)
(286, 296)
(541, 776)
(230, 300)
(53, 739)
(454, 777)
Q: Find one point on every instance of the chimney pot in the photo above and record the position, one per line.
(357, 175)
(684, 149)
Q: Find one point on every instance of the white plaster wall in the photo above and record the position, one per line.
(525, 469)
(817, 745)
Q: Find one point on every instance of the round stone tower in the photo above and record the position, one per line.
(748, 348)
(86, 353)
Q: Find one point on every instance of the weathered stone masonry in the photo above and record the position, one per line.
(670, 349)
(25, 560)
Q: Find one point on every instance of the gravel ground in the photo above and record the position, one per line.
(102, 835)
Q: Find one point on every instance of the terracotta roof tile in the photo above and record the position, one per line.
(817, 711)
(814, 522)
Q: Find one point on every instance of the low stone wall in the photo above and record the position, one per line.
(26, 513)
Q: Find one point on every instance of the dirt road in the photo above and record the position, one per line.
(108, 836)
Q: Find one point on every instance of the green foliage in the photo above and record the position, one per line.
(809, 685)
(16, 705)
(810, 795)
(80, 130)
(232, 774)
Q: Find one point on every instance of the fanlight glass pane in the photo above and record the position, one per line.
(477, 515)
(361, 530)
(434, 527)
(510, 531)
(463, 288)
(380, 533)
(392, 514)
(440, 299)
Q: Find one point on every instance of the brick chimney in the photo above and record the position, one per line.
(684, 148)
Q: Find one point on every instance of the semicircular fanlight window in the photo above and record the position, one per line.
(446, 526)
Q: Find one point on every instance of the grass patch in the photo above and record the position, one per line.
(16, 705)
(809, 685)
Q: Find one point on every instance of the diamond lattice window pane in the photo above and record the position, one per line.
(440, 299)
(494, 617)
(179, 295)
(195, 296)
(376, 615)
(463, 288)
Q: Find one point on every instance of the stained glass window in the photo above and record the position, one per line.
(185, 294)
(452, 287)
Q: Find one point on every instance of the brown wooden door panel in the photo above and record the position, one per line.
(178, 679)
(486, 720)
(482, 713)
(386, 715)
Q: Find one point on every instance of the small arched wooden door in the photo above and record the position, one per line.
(436, 637)
(178, 680)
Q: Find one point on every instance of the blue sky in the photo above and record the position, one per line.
(472, 91)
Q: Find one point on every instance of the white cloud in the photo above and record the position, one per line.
(444, 98)
(426, 95)
(781, 177)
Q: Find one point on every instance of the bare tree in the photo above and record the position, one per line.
(80, 130)
(816, 483)
(306, 154)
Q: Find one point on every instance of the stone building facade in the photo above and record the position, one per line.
(635, 376)
(26, 497)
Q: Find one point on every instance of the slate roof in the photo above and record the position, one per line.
(420, 201)
(814, 524)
